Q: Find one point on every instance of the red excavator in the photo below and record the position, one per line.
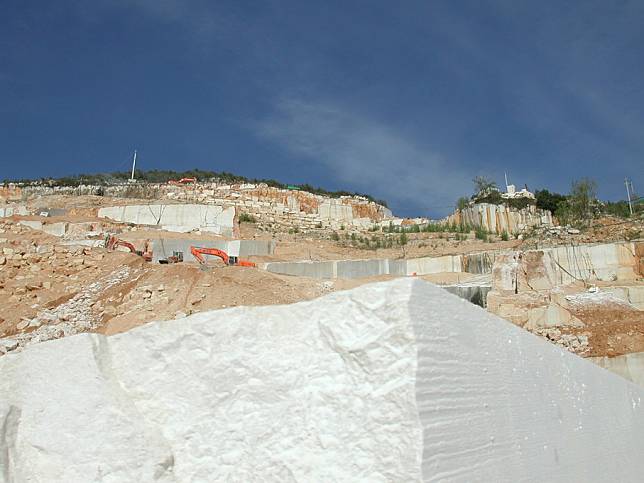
(199, 252)
(112, 242)
(182, 181)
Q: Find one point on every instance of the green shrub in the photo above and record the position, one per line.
(246, 218)
(547, 200)
(462, 203)
(519, 203)
(480, 233)
(335, 236)
(493, 198)
(616, 208)
(505, 236)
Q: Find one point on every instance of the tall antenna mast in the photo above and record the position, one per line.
(628, 194)
(133, 165)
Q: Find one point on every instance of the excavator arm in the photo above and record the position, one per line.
(182, 181)
(199, 252)
(113, 242)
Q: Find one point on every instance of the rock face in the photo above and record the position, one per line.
(500, 218)
(269, 205)
(398, 381)
(180, 218)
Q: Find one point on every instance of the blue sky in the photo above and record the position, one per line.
(407, 101)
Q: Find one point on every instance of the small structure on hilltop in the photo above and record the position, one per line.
(491, 210)
(513, 194)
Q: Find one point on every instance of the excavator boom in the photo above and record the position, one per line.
(113, 242)
(182, 181)
(199, 252)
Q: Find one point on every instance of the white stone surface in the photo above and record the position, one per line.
(398, 381)
(333, 209)
(10, 210)
(56, 229)
(429, 265)
(500, 218)
(33, 224)
(629, 366)
(607, 262)
(179, 218)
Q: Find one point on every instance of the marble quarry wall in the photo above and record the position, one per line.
(476, 263)
(500, 218)
(526, 285)
(163, 248)
(267, 204)
(175, 217)
(628, 366)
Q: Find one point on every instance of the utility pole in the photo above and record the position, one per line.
(133, 166)
(628, 194)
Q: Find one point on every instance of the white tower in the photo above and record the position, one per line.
(133, 166)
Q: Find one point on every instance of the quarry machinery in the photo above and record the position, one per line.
(182, 181)
(177, 257)
(199, 252)
(112, 242)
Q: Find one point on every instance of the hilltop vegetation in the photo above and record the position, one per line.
(578, 207)
(163, 176)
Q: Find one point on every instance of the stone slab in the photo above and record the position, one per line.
(164, 248)
(628, 366)
(180, 218)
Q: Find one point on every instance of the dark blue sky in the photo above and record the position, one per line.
(407, 101)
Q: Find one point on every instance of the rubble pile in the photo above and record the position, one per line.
(82, 313)
(603, 230)
(51, 289)
(576, 343)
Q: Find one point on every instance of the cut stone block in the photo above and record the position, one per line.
(397, 381)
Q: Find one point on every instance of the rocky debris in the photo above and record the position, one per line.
(326, 286)
(77, 315)
(7, 345)
(575, 343)
(603, 229)
(595, 296)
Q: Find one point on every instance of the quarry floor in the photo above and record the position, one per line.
(51, 286)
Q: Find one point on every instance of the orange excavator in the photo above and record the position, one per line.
(199, 252)
(112, 242)
(182, 181)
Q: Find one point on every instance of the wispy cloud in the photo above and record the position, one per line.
(366, 154)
